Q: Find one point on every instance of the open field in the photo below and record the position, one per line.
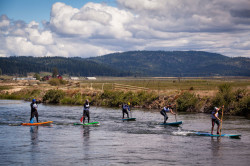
(205, 86)
(202, 86)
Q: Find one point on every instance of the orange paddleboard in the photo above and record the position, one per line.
(37, 124)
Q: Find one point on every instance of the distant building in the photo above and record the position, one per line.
(91, 78)
(46, 78)
(24, 78)
(59, 77)
(74, 78)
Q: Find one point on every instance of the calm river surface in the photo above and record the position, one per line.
(140, 142)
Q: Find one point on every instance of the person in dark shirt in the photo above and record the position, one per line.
(34, 112)
(164, 112)
(125, 109)
(216, 119)
(86, 107)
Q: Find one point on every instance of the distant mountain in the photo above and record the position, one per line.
(72, 66)
(133, 63)
(176, 63)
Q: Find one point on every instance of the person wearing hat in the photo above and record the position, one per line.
(125, 109)
(86, 107)
(164, 111)
(216, 119)
(34, 112)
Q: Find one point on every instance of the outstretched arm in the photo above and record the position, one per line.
(172, 112)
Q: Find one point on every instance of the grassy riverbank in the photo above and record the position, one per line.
(188, 95)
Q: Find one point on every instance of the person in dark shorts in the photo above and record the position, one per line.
(125, 109)
(34, 112)
(164, 111)
(215, 119)
(86, 107)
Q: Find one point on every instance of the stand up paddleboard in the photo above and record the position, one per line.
(87, 124)
(129, 119)
(37, 124)
(217, 135)
(172, 123)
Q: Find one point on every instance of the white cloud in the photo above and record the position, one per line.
(220, 26)
(22, 47)
(91, 21)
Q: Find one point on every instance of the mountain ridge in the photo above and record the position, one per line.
(176, 63)
(133, 63)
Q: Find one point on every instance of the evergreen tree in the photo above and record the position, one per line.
(55, 73)
(37, 76)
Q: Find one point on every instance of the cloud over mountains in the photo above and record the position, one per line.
(221, 26)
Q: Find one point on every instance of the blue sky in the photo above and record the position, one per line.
(38, 10)
(87, 28)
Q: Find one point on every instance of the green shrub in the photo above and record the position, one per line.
(75, 99)
(116, 98)
(54, 82)
(57, 82)
(242, 107)
(225, 97)
(53, 96)
(37, 76)
(12, 96)
(187, 102)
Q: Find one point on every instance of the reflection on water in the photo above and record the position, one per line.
(85, 132)
(34, 144)
(114, 142)
(34, 135)
(215, 147)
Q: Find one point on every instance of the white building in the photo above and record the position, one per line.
(91, 78)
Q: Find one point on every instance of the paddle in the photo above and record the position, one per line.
(130, 113)
(221, 119)
(82, 118)
(32, 120)
(175, 114)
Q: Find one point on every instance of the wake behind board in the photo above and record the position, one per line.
(37, 124)
(87, 124)
(172, 123)
(217, 135)
(129, 119)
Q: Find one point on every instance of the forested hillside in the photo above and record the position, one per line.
(176, 63)
(71, 66)
(133, 63)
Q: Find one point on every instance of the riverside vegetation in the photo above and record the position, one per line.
(234, 96)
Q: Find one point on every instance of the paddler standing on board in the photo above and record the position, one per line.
(164, 111)
(86, 107)
(125, 109)
(216, 119)
(34, 112)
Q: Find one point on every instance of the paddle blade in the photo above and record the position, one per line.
(32, 120)
(82, 118)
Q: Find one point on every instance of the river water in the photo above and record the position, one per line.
(140, 142)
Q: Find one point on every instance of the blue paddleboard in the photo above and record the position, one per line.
(172, 123)
(129, 119)
(217, 135)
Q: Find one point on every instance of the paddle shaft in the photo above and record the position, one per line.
(221, 120)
